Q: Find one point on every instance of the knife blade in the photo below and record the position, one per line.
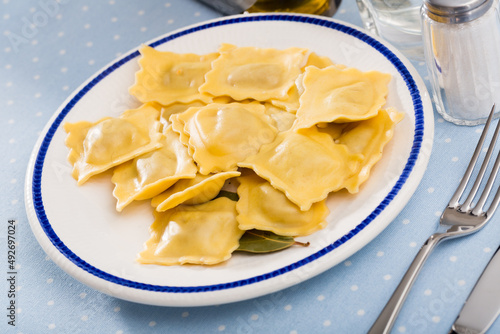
(482, 306)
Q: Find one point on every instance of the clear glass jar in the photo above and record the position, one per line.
(462, 51)
(396, 21)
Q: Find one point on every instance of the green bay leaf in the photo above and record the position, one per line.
(256, 241)
(229, 194)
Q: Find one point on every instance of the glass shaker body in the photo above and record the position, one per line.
(463, 61)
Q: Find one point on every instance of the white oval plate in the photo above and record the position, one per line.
(80, 230)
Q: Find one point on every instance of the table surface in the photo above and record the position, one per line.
(70, 42)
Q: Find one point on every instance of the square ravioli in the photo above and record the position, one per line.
(221, 135)
(150, 174)
(262, 207)
(368, 138)
(281, 119)
(176, 108)
(97, 147)
(291, 102)
(198, 234)
(200, 189)
(254, 73)
(167, 77)
(336, 94)
(306, 166)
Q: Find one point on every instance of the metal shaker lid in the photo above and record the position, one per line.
(456, 11)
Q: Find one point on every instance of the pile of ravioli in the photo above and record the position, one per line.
(288, 127)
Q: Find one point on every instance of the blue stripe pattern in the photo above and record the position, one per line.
(417, 143)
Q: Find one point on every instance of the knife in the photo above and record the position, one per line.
(482, 306)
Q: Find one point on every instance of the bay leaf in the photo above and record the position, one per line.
(256, 241)
(229, 194)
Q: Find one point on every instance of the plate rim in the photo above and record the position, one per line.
(34, 200)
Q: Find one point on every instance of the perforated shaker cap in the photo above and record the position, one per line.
(456, 11)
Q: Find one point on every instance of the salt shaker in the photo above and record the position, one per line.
(462, 50)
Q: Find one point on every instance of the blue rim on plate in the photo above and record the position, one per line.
(415, 150)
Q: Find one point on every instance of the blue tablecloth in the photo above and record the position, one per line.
(48, 48)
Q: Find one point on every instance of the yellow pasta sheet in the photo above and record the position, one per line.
(254, 73)
(333, 94)
(281, 119)
(306, 166)
(150, 174)
(262, 207)
(97, 147)
(176, 108)
(221, 135)
(168, 77)
(201, 189)
(199, 234)
(368, 138)
(291, 102)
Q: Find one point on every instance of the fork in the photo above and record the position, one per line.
(459, 219)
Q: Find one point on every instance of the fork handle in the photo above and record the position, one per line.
(387, 317)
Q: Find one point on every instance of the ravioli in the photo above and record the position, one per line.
(150, 174)
(97, 147)
(291, 101)
(281, 119)
(368, 138)
(333, 94)
(289, 127)
(221, 135)
(306, 166)
(177, 122)
(198, 234)
(198, 190)
(262, 207)
(333, 129)
(176, 108)
(319, 61)
(168, 77)
(254, 73)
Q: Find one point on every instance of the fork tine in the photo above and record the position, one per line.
(494, 203)
(463, 184)
(478, 209)
(466, 206)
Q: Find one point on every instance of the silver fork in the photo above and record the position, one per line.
(460, 219)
